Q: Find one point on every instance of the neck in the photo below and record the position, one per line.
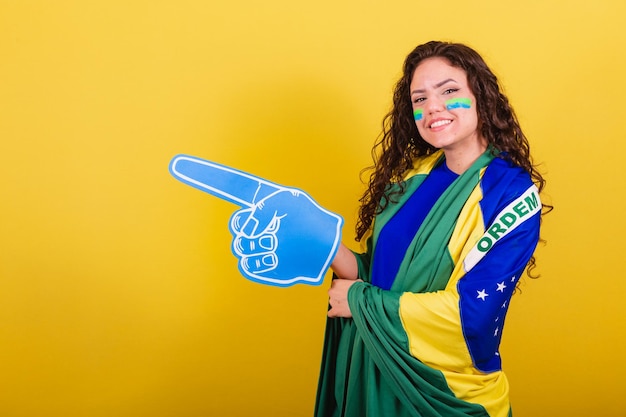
(459, 160)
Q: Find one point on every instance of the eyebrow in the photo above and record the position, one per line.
(436, 85)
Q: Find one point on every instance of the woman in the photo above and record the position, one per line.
(449, 223)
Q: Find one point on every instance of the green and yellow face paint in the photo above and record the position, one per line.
(452, 104)
(458, 103)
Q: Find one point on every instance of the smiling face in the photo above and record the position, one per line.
(444, 109)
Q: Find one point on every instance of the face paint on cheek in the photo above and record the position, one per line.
(418, 114)
(458, 103)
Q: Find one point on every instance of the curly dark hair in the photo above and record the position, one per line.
(400, 142)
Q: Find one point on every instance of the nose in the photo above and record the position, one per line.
(434, 104)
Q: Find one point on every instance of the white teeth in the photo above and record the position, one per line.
(441, 123)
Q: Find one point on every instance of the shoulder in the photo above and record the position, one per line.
(503, 177)
(423, 165)
(502, 183)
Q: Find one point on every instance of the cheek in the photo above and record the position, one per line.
(421, 129)
(474, 120)
(464, 103)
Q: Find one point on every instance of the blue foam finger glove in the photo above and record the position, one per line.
(280, 235)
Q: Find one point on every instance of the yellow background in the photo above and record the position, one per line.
(119, 296)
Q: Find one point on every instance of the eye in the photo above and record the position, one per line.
(451, 91)
(418, 100)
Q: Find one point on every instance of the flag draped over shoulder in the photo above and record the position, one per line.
(368, 366)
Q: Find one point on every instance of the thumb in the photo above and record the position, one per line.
(261, 220)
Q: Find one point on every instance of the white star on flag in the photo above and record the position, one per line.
(482, 295)
(501, 287)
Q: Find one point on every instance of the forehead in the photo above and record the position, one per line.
(432, 71)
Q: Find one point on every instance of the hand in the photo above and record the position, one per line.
(338, 298)
(281, 235)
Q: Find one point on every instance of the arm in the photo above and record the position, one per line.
(344, 265)
(346, 269)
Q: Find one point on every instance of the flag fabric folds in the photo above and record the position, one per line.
(428, 346)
